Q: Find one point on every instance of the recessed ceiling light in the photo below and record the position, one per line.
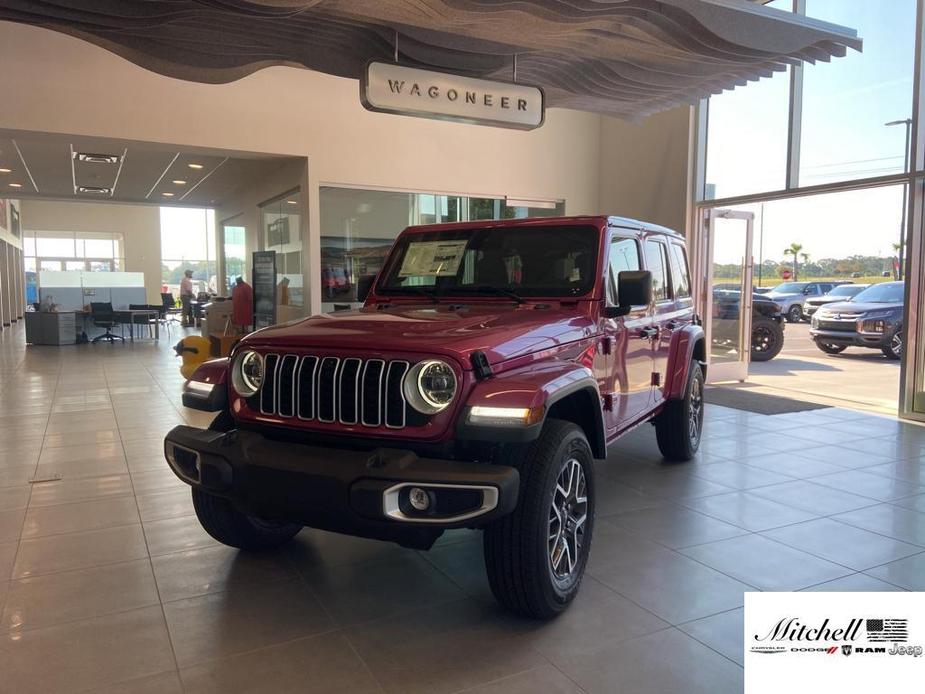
(5, 170)
(292, 202)
(179, 182)
(195, 166)
(167, 195)
(16, 185)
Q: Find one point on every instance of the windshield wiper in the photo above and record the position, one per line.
(486, 289)
(423, 291)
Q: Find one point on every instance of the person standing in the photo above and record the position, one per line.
(186, 297)
(242, 305)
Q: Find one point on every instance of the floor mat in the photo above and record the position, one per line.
(744, 399)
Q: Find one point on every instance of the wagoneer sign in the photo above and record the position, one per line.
(411, 91)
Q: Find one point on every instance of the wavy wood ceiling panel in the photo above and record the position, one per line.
(628, 58)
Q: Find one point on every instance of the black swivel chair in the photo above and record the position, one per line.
(103, 316)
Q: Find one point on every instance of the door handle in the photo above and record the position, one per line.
(649, 333)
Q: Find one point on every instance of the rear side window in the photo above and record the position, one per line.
(680, 276)
(624, 255)
(657, 265)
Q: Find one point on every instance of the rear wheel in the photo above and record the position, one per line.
(535, 557)
(795, 314)
(767, 339)
(894, 350)
(680, 424)
(829, 348)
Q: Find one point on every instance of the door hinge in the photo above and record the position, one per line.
(656, 378)
(605, 345)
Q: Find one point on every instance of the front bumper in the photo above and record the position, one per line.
(355, 492)
(849, 339)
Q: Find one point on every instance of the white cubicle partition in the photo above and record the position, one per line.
(73, 290)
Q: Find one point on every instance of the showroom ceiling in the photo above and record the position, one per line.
(95, 169)
(629, 58)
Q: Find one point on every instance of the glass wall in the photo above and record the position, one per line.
(282, 232)
(234, 254)
(188, 243)
(359, 226)
(87, 251)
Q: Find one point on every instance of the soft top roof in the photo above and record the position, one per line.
(599, 221)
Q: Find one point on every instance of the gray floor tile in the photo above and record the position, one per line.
(71, 595)
(7, 555)
(464, 564)
(357, 593)
(675, 526)
(161, 683)
(313, 549)
(447, 648)
(103, 436)
(615, 495)
(176, 535)
(80, 516)
(673, 483)
(216, 569)
(640, 665)
(74, 454)
(873, 486)
(912, 471)
(748, 510)
(843, 544)
(791, 465)
(843, 457)
(766, 564)
(316, 664)
(87, 653)
(916, 503)
(890, 520)
(722, 632)
(11, 524)
(79, 550)
(219, 625)
(854, 583)
(82, 469)
(814, 498)
(908, 573)
(16, 476)
(546, 679)
(737, 475)
(65, 491)
(159, 479)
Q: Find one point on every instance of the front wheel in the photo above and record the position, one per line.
(829, 348)
(894, 350)
(795, 314)
(767, 339)
(229, 526)
(535, 557)
(679, 426)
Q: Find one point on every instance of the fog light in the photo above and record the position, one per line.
(419, 499)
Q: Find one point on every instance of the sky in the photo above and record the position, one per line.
(186, 234)
(845, 105)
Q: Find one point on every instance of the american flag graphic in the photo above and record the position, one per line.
(887, 630)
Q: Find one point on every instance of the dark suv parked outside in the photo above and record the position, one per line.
(491, 364)
(873, 318)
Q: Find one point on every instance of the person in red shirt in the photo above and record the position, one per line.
(242, 305)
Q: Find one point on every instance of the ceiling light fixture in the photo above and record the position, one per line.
(292, 202)
(5, 170)
(94, 190)
(16, 185)
(97, 158)
(195, 166)
(179, 182)
(167, 195)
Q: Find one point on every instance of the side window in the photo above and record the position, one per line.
(624, 255)
(680, 277)
(656, 264)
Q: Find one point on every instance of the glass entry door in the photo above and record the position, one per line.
(727, 314)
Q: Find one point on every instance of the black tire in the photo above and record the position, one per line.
(679, 426)
(519, 549)
(767, 339)
(894, 350)
(795, 314)
(231, 527)
(830, 348)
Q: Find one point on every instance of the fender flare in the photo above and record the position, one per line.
(687, 343)
(207, 389)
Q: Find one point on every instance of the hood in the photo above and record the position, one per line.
(500, 331)
(856, 307)
(775, 296)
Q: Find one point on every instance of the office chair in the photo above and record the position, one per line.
(103, 316)
(171, 310)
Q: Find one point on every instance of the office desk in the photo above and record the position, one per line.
(51, 327)
(131, 317)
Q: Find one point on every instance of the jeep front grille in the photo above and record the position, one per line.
(333, 389)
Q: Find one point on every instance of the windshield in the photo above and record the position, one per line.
(886, 293)
(521, 261)
(846, 290)
(789, 288)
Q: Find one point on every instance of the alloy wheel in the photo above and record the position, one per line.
(896, 345)
(762, 339)
(695, 414)
(567, 516)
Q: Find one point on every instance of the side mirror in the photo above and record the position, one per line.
(634, 288)
(364, 284)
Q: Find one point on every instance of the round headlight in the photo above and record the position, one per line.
(247, 374)
(430, 386)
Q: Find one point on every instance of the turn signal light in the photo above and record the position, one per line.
(505, 416)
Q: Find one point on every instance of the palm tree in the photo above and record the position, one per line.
(794, 250)
(805, 258)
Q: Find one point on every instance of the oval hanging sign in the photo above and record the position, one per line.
(410, 91)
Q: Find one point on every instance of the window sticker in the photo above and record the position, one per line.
(432, 258)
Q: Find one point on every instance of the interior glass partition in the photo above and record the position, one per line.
(281, 221)
(234, 254)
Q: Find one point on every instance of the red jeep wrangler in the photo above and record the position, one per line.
(491, 364)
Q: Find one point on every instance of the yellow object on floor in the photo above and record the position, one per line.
(194, 349)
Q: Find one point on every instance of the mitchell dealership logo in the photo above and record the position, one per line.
(862, 636)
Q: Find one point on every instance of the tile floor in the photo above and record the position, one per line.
(108, 584)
